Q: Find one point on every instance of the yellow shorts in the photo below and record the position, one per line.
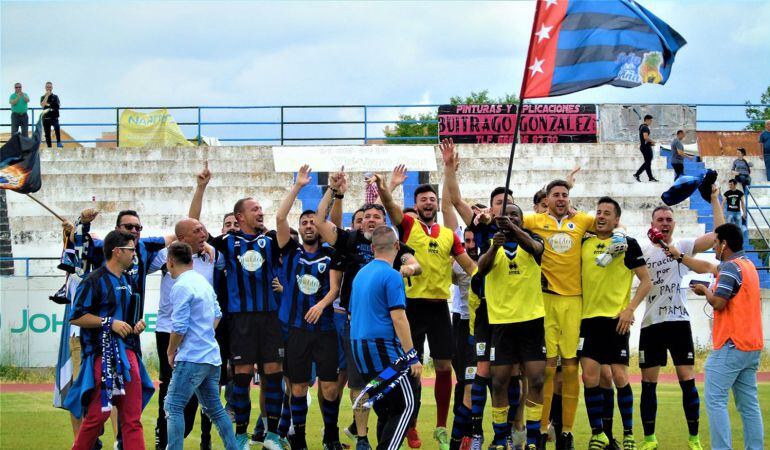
(562, 324)
(75, 356)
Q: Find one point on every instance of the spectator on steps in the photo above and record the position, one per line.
(19, 119)
(51, 101)
(645, 146)
(735, 209)
(742, 170)
(764, 144)
(678, 155)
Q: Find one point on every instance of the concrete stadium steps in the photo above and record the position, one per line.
(159, 184)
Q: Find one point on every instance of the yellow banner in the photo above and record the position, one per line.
(155, 129)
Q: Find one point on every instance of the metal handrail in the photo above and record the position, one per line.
(200, 123)
(27, 259)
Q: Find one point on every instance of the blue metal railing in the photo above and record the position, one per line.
(276, 125)
(27, 260)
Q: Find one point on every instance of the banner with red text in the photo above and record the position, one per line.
(540, 123)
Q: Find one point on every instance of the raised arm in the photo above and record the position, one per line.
(283, 231)
(394, 211)
(202, 180)
(571, 177)
(451, 186)
(531, 245)
(326, 229)
(694, 264)
(487, 260)
(706, 241)
(447, 209)
(336, 213)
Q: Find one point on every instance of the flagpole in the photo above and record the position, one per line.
(47, 208)
(513, 151)
(519, 112)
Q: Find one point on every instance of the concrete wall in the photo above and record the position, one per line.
(620, 123)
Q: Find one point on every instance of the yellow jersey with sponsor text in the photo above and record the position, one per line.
(561, 259)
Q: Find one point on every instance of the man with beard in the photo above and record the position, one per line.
(355, 251)
(252, 261)
(107, 309)
(191, 232)
(481, 223)
(515, 310)
(562, 233)
(146, 248)
(311, 287)
(427, 307)
(666, 323)
(608, 312)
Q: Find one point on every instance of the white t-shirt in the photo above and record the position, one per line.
(462, 283)
(201, 264)
(667, 300)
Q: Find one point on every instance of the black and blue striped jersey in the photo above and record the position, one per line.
(146, 251)
(307, 283)
(251, 262)
(103, 294)
(372, 356)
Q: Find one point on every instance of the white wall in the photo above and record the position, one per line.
(30, 324)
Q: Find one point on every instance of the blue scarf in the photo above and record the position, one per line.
(112, 366)
(385, 381)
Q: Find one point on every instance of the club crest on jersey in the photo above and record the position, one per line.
(560, 242)
(308, 284)
(261, 242)
(321, 267)
(571, 226)
(252, 260)
(433, 247)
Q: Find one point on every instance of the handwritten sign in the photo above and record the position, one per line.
(487, 124)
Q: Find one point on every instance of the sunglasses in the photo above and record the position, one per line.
(132, 249)
(17, 87)
(131, 226)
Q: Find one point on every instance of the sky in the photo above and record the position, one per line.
(185, 53)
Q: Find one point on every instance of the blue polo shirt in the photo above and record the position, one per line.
(377, 290)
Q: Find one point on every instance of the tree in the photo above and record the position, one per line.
(416, 126)
(758, 114)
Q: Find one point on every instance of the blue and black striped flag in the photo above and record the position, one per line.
(580, 44)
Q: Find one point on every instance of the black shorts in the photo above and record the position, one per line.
(674, 337)
(255, 338)
(430, 319)
(463, 361)
(304, 347)
(600, 341)
(222, 334)
(514, 343)
(482, 334)
(355, 380)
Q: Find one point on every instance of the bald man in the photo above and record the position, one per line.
(193, 233)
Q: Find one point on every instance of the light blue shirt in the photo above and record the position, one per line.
(201, 263)
(195, 308)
